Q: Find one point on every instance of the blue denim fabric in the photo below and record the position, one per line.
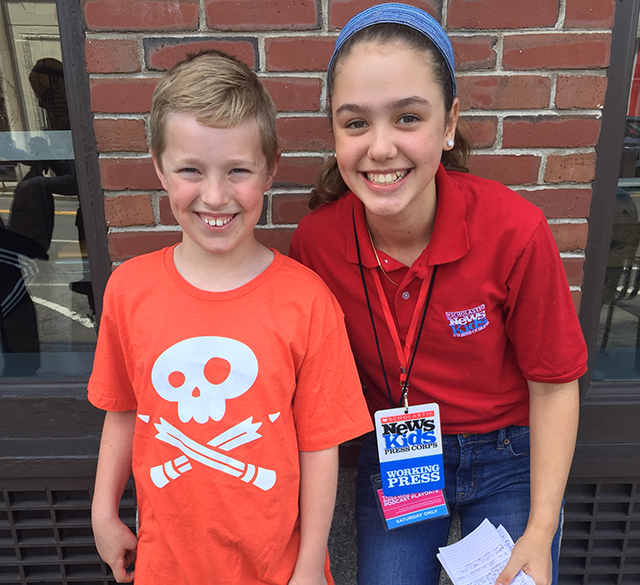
(486, 476)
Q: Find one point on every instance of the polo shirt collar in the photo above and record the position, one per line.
(449, 241)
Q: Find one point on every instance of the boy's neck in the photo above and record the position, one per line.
(221, 272)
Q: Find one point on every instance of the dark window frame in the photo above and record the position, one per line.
(608, 158)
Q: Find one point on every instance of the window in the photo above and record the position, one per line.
(48, 313)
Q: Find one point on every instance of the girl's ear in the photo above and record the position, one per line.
(158, 168)
(452, 122)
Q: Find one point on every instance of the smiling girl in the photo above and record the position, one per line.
(453, 292)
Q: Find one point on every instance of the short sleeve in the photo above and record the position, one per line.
(329, 407)
(110, 386)
(541, 319)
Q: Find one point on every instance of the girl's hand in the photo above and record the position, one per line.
(532, 555)
(117, 546)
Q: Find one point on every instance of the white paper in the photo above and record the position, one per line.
(480, 556)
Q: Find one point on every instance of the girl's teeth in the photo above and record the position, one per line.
(387, 178)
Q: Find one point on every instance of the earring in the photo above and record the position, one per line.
(450, 143)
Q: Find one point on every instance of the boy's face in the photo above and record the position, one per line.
(216, 179)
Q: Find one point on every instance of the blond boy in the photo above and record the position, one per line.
(224, 366)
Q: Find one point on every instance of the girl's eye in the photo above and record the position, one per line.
(408, 119)
(356, 124)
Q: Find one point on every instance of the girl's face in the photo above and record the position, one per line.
(390, 127)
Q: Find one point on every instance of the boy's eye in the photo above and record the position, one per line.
(408, 119)
(188, 170)
(239, 170)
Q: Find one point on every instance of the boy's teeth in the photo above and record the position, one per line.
(386, 178)
(217, 222)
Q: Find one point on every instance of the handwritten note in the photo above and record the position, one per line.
(480, 556)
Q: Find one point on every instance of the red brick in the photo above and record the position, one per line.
(576, 296)
(473, 53)
(305, 134)
(509, 169)
(558, 203)
(556, 51)
(294, 94)
(252, 15)
(572, 168)
(125, 245)
(128, 173)
(161, 54)
(570, 237)
(299, 54)
(589, 13)
(341, 11)
(120, 135)
(297, 171)
(573, 269)
(289, 208)
(279, 238)
(166, 215)
(128, 210)
(122, 96)
(501, 14)
(112, 56)
(576, 91)
(505, 92)
(141, 14)
(481, 129)
(549, 132)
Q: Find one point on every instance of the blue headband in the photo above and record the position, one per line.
(399, 14)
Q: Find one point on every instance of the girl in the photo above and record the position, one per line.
(451, 285)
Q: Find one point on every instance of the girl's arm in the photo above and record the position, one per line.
(114, 541)
(553, 420)
(318, 485)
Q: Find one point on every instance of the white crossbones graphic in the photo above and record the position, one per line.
(242, 433)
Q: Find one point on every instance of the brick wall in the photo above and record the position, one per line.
(531, 83)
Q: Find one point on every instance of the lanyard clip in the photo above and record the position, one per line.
(405, 397)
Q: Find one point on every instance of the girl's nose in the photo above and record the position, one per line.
(382, 146)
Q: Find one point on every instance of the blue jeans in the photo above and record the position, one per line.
(486, 476)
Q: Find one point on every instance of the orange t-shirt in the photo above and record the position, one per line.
(228, 388)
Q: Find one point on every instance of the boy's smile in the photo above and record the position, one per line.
(215, 179)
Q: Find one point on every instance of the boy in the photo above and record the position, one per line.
(223, 365)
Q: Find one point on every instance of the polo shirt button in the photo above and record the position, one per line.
(405, 295)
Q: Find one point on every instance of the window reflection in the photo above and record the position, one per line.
(47, 323)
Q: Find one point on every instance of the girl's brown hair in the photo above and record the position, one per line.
(331, 185)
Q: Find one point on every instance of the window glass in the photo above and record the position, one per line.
(47, 324)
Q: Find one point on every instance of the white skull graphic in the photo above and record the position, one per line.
(192, 373)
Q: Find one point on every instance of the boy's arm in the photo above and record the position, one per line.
(553, 420)
(114, 541)
(318, 485)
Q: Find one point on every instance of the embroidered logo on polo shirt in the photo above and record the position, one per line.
(465, 323)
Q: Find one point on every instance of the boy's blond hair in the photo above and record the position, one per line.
(221, 92)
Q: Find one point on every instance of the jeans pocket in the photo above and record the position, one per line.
(517, 442)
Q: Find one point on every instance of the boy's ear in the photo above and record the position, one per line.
(159, 172)
(273, 172)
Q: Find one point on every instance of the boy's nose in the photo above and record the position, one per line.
(382, 146)
(215, 193)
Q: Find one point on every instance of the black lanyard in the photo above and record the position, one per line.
(405, 384)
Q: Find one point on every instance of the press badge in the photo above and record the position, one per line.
(410, 449)
(397, 511)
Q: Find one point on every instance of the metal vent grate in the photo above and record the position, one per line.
(46, 537)
(601, 542)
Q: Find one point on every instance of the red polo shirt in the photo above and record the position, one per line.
(500, 311)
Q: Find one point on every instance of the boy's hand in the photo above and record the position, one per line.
(116, 545)
(315, 579)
